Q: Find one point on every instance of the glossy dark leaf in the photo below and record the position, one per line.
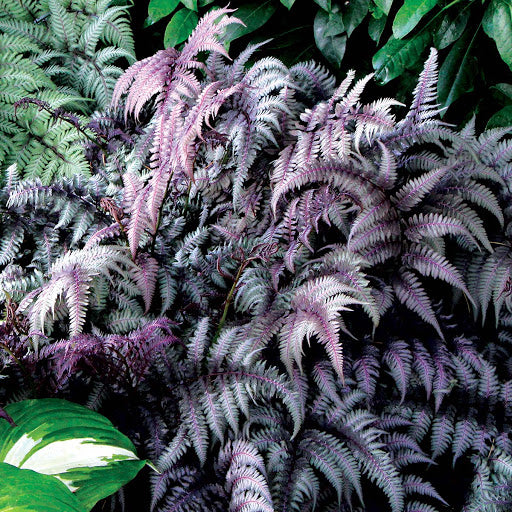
(397, 55)
(158, 9)
(190, 4)
(254, 15)
(329, 24)
(376, 27)
(504, 89)
(497, 23)
(383, 5)
(451, 28)
(180, 27)
(410, 15)
(501, 118)
(288, 3)
(324, 4)
(290, 45)
(456, 75)
(355, 14)
(327, 27)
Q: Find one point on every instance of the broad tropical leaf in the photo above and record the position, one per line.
(497, 23)
(410, 14)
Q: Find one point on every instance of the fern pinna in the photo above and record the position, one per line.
(270, 282)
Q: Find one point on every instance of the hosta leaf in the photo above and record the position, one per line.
(410, 14)
(77, 446)
(457, 73)
(158, 9)
(180, 27)
(497, 24)
(27, 491)
(254, 15)
(397, 55)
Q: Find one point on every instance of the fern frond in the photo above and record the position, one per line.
(430, 263)
(399, 359)
(409, 291)
(317, 305)
(415, 190)
(145, 275)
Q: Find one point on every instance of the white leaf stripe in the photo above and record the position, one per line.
(20, 449)
(63, 456)
(77, 446)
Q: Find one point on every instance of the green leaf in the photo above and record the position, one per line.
(27, 491)
(376, 27)
(355, 14)
(254, 15)
(497, 24)
(148, 22)
(330, 23)
(383, 5)
(326, 28)
(180, 27)
(288, 3)
(504, 89)
(457, 73)
(409, 16)
(324, 4)
(290, 45)
(79, 447)
(501, 118)
(158, 9)
(190, 4)
(397, 55)
(451, 28)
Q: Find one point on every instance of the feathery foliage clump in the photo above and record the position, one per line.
(66, 55)
(280, 285)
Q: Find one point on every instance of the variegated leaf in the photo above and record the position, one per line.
(28, 491)
(77, 446)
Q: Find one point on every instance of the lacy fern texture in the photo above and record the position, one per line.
(290, 298)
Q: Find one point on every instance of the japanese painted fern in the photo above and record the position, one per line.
(284, 282)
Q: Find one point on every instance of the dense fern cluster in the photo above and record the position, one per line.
(278, 288)
(67, 54)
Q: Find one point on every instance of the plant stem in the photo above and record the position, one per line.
(229, 299)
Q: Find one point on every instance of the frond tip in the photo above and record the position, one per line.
(316, 308)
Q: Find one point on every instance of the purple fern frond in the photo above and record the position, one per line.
(145, 275)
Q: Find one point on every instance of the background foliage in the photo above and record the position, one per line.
(388, 37)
